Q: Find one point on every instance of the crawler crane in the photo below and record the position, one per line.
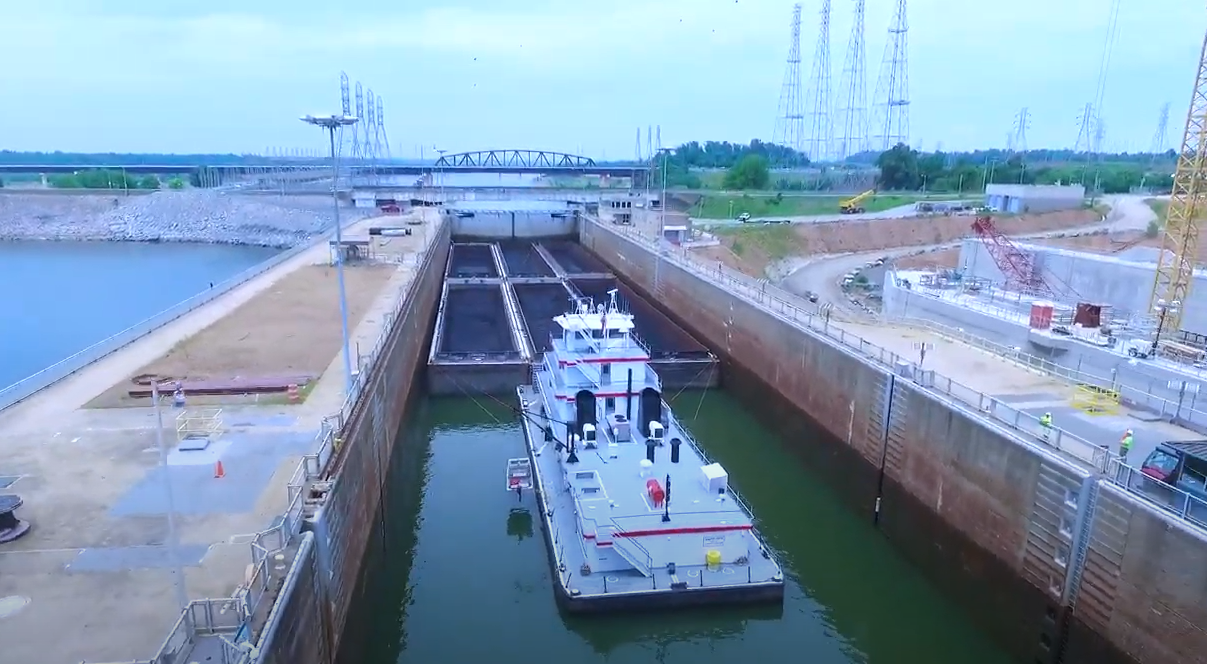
(1175, 265)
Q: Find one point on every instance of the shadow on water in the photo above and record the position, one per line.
(458, 571)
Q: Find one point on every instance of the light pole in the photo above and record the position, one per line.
(182, 596)
(662, 206)
(1162, 308)
(332, 123)
(440, 172)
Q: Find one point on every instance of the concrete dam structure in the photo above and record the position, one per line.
(1056, 562)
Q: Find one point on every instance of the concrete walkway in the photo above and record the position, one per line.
(94, 574)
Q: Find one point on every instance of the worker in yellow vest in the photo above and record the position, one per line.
(1125, 445)
(1045, 421)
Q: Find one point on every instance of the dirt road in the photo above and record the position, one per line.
(821, 274)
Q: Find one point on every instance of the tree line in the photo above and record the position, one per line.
(904, 168)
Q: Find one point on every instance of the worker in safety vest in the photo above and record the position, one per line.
(1125, 444)
(1045, 420)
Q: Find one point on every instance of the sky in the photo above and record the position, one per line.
(577, 77)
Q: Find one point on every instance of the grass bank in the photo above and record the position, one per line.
(720, 206)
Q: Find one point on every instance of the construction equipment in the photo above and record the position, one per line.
(852, 205)
(1018, 267)
(1094, 400)
(1175, 265)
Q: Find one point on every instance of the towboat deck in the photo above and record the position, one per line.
(615, 554)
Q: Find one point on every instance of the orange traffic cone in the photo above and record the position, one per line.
(219, 471)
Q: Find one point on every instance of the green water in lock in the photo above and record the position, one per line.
(465, 578)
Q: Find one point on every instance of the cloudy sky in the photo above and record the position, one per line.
(149, 75)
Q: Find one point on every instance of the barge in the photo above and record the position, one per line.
(634, 513)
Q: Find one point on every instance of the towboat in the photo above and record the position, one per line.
(634, 513)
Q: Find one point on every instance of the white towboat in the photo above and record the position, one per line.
(634, 513)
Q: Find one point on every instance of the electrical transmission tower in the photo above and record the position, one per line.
(790, 122)
(637, 145)
(892, 86)
(370, 139)
(345, 104)
(384, 141)
(854, 138)
(1160, 141)
(1085, 130)
(358, 147)
(821, 129)
(1019, 138)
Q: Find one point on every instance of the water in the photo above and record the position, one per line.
(466, 578)
(58, 298)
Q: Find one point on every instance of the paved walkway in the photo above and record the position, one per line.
(94, 571)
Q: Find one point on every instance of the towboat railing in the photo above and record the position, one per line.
(675, 424)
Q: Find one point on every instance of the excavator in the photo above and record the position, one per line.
(852, 205)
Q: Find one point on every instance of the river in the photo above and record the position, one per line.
(58, 298)
(465, 577)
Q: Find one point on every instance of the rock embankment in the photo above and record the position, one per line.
(209, 217)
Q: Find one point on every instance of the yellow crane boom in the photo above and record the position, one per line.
(851, 205)
(1179, 249)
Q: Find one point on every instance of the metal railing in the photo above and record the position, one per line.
(238, 628)
(1129, 394)
(1171, 499)
(27, 387)
(798, 311)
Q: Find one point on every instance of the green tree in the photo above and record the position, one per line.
(899, 168)
(176, 183)
(751, 172)
(148, 182)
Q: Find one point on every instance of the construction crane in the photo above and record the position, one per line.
(1017, 266)
(1179, 249)
(852, 205)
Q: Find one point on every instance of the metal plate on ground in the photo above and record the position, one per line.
(8, 480)
(1145, 416)
(193, 444)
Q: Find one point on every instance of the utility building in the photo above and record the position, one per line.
(1021, 198)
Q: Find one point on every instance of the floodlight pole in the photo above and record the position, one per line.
(331, 124)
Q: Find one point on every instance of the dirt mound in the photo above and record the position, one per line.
(751, 249)
(874, 234)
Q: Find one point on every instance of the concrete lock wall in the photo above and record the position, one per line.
(494, 224)
(1012, 532)
(1125, 285)
(315, 610)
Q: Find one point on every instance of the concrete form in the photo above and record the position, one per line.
(1124, 284)
(1025, 198)
(96, 568)
(1045, 552)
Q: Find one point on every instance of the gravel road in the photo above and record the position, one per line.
(204, 216)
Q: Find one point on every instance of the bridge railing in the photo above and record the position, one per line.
(810, 316)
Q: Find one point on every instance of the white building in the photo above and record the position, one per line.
(1021, 198)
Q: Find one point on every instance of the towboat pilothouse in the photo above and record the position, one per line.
(634, 512)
